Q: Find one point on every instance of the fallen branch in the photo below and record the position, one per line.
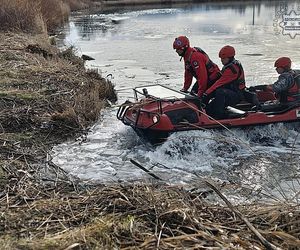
(267, 244)
(145, 170)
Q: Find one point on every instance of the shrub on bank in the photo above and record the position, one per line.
(54, 13)
(78, 4)
(22, 15)
(36, 16)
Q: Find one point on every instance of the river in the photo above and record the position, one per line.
(134, 48)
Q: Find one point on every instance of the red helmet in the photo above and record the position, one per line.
(283, 62)
(181, 42)
(227, 51)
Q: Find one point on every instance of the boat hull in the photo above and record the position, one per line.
(154, 118)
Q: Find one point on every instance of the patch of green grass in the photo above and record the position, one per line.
(17, 136)
(11, 56)
(2, 173)
(9, 74)
(23, 139)
(23, 95)
(6, 242)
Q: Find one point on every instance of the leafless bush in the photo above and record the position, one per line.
(54, 12)
(21, 15)
(78, 4)
(33, 15)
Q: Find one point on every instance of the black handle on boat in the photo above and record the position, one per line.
(145, 92)
(122, 110)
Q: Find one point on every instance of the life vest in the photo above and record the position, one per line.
(212, 69)
(239, 83)
(293, 93)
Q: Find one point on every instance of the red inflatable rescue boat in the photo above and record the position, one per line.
(159, 111)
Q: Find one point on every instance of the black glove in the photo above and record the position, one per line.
(251, 89)
(204, 99)
(261, 87)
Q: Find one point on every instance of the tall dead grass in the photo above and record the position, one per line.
(22, 15)
(54, 13)
(36, 16)
(78, 4)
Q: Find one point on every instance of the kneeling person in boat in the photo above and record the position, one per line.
(197, 64)
(287, 87)
(228, 90)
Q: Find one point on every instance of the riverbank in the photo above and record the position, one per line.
(140, 217)
(155, 2)
(47, 97)
(43, 89)
(143, 2)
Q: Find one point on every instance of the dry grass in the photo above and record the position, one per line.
(21, 15)
(43, 207)
(63, 212)
(45, 97)
(37, 16)
(54, 13)
(47, 91)
(78, 4)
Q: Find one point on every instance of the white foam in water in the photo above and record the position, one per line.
(251, 154)
(191, 151)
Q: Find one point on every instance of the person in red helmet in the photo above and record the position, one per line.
(228, 90)
(287, 87)
(197, 64)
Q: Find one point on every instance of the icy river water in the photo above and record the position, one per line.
(134, 48)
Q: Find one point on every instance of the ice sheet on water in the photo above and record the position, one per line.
(118, 17)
